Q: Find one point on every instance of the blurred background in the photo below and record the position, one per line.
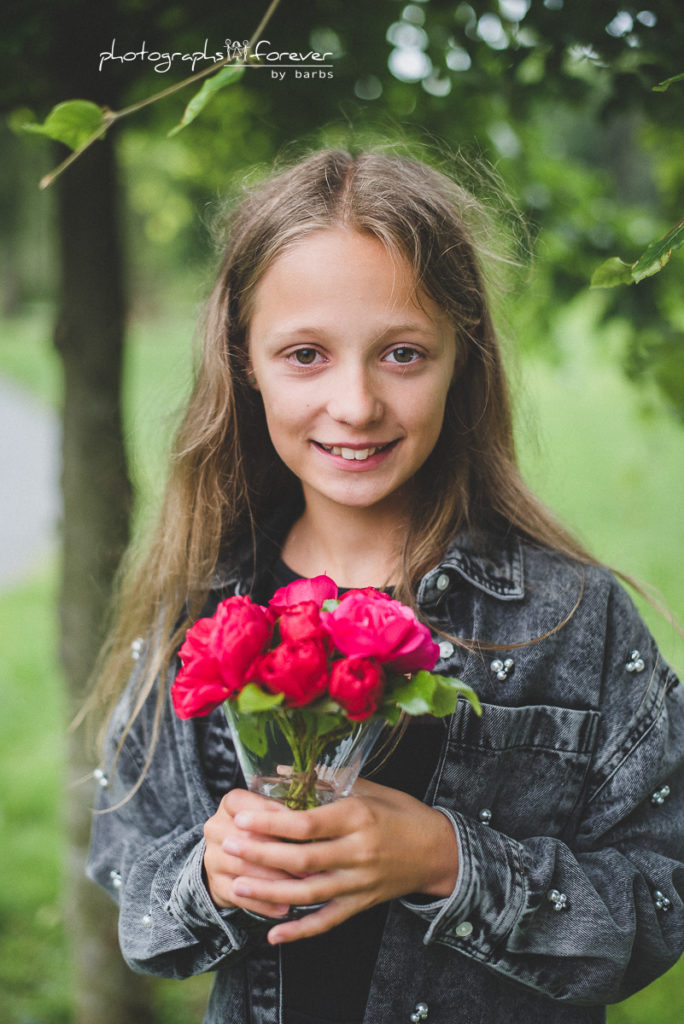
(546, 107)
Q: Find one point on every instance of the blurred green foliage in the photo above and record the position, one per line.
(558, 96)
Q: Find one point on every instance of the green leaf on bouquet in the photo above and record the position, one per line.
(252, 699)
(252, 731)
(72, 122)
(447, 692)
(416, 696)
(390, 712)
(330, 604)
(429, 694)
(325, 724)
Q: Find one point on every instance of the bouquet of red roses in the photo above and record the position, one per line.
(308, 681)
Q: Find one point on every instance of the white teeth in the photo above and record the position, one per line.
(353, 454)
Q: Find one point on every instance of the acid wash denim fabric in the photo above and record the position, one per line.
(567, 799)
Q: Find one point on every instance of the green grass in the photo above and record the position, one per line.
(612, 471)
(33, 949)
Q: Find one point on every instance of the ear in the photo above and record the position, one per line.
(460, 360)
(250, 376)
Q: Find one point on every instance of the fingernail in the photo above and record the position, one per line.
(274, 938)
(243, 819)
(230, 846)
(242, 889)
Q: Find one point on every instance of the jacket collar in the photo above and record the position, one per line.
(491, 562)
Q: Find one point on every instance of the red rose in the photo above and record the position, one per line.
(372, 625)
(198, 687)
(301, 622)
(318, 589)
(357, 684)
(299, 670)
(241, 631)
(216, 655)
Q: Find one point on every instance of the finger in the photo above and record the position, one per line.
(298, 860)
(316, 923)
(336, 819)
(244, 800)
(222, 894)
(234, 866)
(263, 909)
(297, 891)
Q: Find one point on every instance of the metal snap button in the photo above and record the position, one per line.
(464, 929)
(442, 581)
(446, 648)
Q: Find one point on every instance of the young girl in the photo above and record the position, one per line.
(351, 417)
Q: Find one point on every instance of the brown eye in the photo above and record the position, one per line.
(404, 355)
(305, 356)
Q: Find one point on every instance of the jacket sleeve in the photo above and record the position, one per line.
(147, 851)
(593, 917)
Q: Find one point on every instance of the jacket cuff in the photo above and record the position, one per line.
(191, 905)
(490, 895)
(426, 907)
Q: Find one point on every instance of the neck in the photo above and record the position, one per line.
(355, 547)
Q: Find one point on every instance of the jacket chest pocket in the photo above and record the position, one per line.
(520, 770)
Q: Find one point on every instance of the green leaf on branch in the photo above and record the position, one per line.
(664, 86)
(652, 260)
(658, 253)
(72, 122)
(228, 75)
(252, 700)
(612, 273)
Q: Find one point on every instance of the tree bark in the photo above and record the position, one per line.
(89, 336)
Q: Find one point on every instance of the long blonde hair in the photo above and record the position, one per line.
(224, 468)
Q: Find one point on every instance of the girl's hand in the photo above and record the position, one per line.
(221, 869)
(352, 854)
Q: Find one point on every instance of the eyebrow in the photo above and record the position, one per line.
(286, 333)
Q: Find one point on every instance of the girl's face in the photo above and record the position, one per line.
(353, 373)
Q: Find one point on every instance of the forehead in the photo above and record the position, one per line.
(339, 268)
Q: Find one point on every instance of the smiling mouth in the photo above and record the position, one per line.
(354, 454)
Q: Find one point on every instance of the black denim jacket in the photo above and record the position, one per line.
(567, 798)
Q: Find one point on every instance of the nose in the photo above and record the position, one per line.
(354, 398)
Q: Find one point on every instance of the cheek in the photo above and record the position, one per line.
(433, 419)
(282, 417)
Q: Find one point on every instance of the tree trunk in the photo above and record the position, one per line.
(89, 335)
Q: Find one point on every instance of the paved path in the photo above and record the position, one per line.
(29, 482)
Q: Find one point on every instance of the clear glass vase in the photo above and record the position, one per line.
(299, 756)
